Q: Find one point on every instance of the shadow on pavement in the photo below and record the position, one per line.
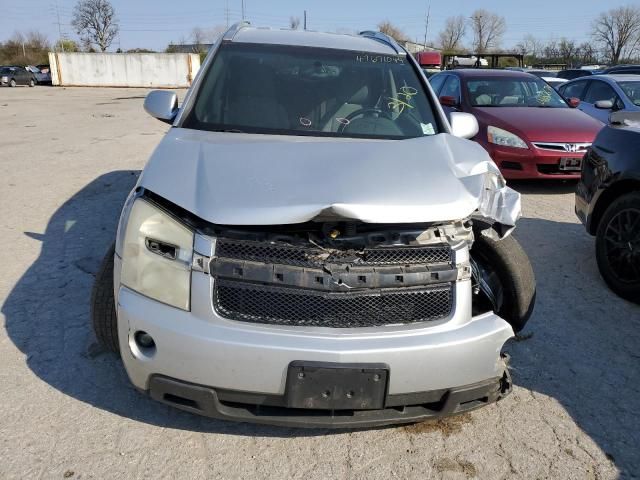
(546, 187)
(584, 349)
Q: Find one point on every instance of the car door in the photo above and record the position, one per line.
(451, 90)
(22, 76)
(574, 89)
(599, 90)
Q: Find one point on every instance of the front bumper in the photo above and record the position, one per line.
(216, 354)
(272, 409)
(532, 163)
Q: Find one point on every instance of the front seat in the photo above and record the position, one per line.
(252, 100)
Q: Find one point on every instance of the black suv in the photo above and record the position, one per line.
(608, 202)
(12, 76)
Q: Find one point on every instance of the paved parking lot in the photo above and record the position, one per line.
(68, 157)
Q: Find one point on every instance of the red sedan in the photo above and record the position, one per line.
(525, 125)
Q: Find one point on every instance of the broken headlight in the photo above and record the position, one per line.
(157, 251)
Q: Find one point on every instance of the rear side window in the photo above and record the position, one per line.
(574, 90)
(451, 88)
(287, 90)
(600, 91)
(436, 82)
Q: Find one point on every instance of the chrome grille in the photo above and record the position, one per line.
(563, 147)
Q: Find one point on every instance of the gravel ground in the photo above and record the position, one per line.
(68, 158)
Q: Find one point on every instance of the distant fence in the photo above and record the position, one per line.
(153, 70)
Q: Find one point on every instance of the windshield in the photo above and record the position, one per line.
(5, 70)
(632, 91)
(513, 92)
(311, 91)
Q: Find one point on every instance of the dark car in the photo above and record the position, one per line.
(529, 130)
(622, 69)
(12, 76)
(574, 73)
(608, 202)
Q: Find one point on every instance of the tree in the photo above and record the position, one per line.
(394, 32)
(488, 29)
(25, 49)
(66, 45)
(95, 22)
(617, 32)
(454, 31)
(294, 23)
(567, 50)
(530, 46)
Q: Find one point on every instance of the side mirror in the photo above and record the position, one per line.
(162, 104)
(463, 125)
(574, 102)
(448, 101)
(604, 104)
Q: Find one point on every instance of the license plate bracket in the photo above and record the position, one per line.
(570, 164)
(336, 386)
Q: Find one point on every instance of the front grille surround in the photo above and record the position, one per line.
(273, 305)
(267, 282)
(285, 254)
(563, 147)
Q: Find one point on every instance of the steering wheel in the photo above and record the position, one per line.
(363, 111)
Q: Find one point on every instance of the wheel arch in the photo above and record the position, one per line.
(608, 196)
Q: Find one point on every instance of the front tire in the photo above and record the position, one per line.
(508, 271)
(618, 247)
(103, 305)
(32, 83)
(12, 83)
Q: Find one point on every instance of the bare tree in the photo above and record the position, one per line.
(588, 54)
(618, 32)
(488, 29)
(567, 50)
(294, 23)
(450, 38)
(390, 29)
(530, 46)
(95, 22)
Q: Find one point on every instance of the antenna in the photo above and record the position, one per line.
(226, 12)
(305, 19)
(243, 10)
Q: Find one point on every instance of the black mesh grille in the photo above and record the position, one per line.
(298, 307)
(315, 257)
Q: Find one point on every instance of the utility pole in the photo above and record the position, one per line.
(59, 28)
(305, 19)
(426, 26)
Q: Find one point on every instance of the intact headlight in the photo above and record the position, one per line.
(4, 79)
(157, 251)
(499, 136)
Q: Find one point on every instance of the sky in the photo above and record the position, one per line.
(154, 24)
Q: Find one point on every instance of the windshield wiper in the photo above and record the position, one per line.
(227, 130)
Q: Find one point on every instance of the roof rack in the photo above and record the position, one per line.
(234, 29)
(382, 38)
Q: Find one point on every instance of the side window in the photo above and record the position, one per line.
(436, 82)
(600, 91)
(451, 88)
(575, 90)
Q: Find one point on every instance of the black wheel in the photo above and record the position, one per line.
(503, 280)
(32, 83)
(618, 246)
(12, 83)
(103, 306)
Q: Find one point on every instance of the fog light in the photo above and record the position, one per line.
(144, 340)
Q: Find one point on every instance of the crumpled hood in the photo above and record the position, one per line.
(245, 179)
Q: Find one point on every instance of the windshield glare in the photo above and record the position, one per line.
(311, 91)
(513, 92)
(632, 91)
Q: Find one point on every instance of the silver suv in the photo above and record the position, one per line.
(314, 244)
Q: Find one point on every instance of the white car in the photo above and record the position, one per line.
(314, 244)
